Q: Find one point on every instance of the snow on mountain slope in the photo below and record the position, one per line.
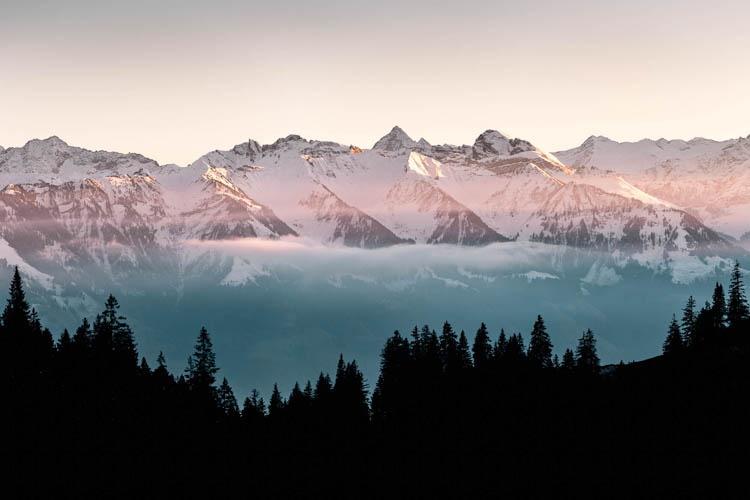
(334, 193)
(582, 215)
(222, 211)
(10, 256)
(636, 157)
(52, 160)
(64, 209)
(115, 224)
(614, 183)
(416, 207)
(341, 223)
(710, 179)
(291, 175)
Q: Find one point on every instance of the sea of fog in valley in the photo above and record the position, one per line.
(282, 311)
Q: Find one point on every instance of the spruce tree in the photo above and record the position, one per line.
(201, 369)
(540, 345)
(253, 408)
(514, 350)
(118, 335)
(64, 343)
(737, 309)
(161, 361)
(82, 338)
(323, 388)
(144, 368)
(393, 387)
(16, 316)
(568, 364)
(113, 342)
(449, 348)
(296, 402)
(227, 401)
(428, 356)
(464, 357)
(276, 403)
(687, 325)
(482, 348)
(587, 360)
(719, 307)
(162, 377)
(351, 395)
(705, 325)
(40, 345)
(500, 347)
(673, 342)
(416, 344)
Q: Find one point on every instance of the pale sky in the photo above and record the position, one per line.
(175, 79)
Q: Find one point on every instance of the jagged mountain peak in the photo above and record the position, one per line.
(52, 141)
(285, 142)
(53, 159)
(593, 139)
(394, 141)
(250, 148)
(492, 143)
(491, 134)
(50, 145)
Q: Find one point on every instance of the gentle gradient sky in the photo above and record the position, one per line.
(174, 79)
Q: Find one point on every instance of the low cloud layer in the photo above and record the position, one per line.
(312, 258)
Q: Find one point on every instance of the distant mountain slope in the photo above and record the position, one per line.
(710, 179)
(66, 207)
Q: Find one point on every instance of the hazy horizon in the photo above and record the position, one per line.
(174, 80)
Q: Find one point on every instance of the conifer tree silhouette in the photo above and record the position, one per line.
(687, 325)
(201, 371)
(65, 342)
(449, 349)
(296, 403)
(737, 309)
(482, 348)
(253, 408)
(16, 316)
(706, 326)
(500, 347)
(540, 345)
(323, 388)
(464, 356)
(673, 342)
(144, 368)
(276, 403)
(587, 360)
(227, 401)
(719, 307)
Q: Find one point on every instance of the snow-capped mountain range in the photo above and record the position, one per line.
(709, 179)
(63, 208)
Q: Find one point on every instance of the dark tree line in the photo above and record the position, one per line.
(447, 417)
(715, 322)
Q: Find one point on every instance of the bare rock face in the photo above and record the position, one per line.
(395, 141)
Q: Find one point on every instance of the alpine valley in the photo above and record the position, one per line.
(341, 245)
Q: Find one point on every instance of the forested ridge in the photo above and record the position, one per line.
(448, 416)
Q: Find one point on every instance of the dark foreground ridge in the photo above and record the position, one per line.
(87, 420)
